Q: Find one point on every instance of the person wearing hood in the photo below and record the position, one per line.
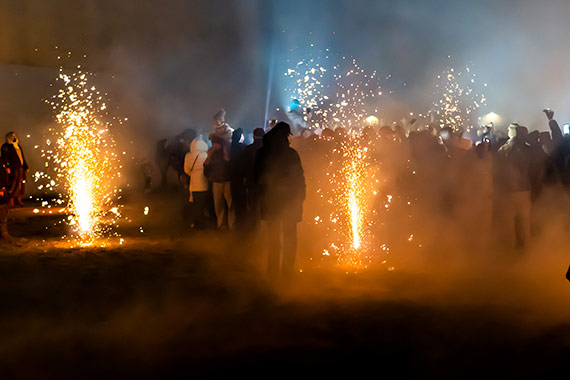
(16, 166)
(200, 208)
(514, 184)
(280, 178)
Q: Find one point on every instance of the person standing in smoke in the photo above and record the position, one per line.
(198, 187)
(16, 167)
(514, 182)
(279, 174)
(146, 169)
(237, 175)
(252, 216)
(558, 149)
(216, 169)
(170, 153)
(295, 115)
(4, 205)
(220, 128)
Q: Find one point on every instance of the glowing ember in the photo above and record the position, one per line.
(81, 152)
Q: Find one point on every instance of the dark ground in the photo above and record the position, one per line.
(162, 306)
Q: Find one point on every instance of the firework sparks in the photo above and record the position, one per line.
(350, 194)
(356, 94)
(307, 80)
(81, 155)
(457, 99)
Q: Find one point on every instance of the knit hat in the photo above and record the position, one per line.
(258, 133)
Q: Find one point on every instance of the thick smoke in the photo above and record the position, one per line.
(170, 65)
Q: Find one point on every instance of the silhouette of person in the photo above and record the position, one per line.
(216, 169)
(4, 204)
(200, 199)
(237, 176)
(514, 180)
(281, 180)
(16, 167)
(253, 215)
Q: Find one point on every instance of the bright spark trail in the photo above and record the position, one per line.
(81, 157)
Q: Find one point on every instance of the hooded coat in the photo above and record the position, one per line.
(279, 174)
(194, 165)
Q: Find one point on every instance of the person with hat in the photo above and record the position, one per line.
(253, 216)
(279, 175)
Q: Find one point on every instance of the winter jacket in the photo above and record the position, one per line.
(217, 167)
(194, 166)
(223, 131)
(11, 159)
(279, 174)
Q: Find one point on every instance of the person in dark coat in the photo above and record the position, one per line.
(237, 181)
(279, 174)
(170, 153)
(559, 166)
(253, 213)
(16, 166)
(513, 180)
(4, 204)
(216, 169)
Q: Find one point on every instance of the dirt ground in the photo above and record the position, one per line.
(172, 303)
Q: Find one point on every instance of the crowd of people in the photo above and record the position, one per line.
(233, 186)
(491, 183)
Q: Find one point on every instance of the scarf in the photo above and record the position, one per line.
(18, 150)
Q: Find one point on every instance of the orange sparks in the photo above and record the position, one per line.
(81, 158)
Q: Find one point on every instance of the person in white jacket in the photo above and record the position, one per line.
(200, 200)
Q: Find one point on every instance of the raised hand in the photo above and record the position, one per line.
(549, 113)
